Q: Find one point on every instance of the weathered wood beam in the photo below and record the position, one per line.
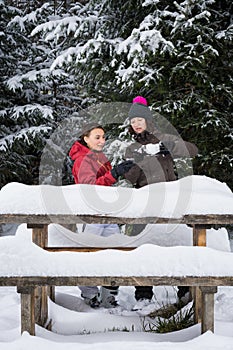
(208, 219)
(213, 219)
(24, 281)
(89, 219)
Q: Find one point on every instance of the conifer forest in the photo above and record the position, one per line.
(59, 58)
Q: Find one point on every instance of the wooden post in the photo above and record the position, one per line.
(40, 238)
(199, 239)
(51, 293)
(41, 305)
(199, 236)
(39, 235)
(207, 323)
(27, 309)
(196, 294)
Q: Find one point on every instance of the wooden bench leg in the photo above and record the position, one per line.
(199, 239)
(51, 293)
(39, 235)
(40, 238)
(51, 296)
(41, 305)
(199, 236)
(197, 302)
(27, 309)
(44, 305)
(207, 323)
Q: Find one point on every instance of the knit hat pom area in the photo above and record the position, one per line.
(141, 100)
(139, 109)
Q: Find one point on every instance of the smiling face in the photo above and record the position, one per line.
(138, 125)
(95, 140)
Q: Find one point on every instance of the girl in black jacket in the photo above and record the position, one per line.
(153, 153)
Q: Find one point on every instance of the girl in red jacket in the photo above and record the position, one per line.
(91, 166)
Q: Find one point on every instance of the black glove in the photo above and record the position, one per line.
(163, 149)
(121, 169)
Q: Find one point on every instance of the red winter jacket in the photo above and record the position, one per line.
(90, 167)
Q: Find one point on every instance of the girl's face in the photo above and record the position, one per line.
(95, 140)
(138, 125)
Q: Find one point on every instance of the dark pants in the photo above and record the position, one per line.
(182, 291)
(143, 292)
(146, 292)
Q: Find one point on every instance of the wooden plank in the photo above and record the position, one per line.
(116, 281)
(89, 219)
(27, 309)
(207, 323)
(208, 219)
(213, 219)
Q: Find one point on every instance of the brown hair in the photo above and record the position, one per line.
(87, 128)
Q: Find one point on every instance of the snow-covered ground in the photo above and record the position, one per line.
(76, 325)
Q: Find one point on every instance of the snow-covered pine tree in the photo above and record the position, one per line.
(177, 54)
(197, 81)
(34, 99)
(15, 163)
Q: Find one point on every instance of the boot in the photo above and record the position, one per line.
(143, 292)
(107, 297)
(92, 302)
(184, 295)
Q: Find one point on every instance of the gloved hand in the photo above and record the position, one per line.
(121, 169)
(163, 149)
(152, 149)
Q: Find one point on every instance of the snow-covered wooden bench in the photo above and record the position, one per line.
(27, 287)
(199, 202)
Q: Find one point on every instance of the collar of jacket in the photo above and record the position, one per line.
(143, 137)
(79, 150)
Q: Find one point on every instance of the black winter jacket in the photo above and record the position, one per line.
(153, 154)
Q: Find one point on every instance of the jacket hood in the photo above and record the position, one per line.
(78, 150)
